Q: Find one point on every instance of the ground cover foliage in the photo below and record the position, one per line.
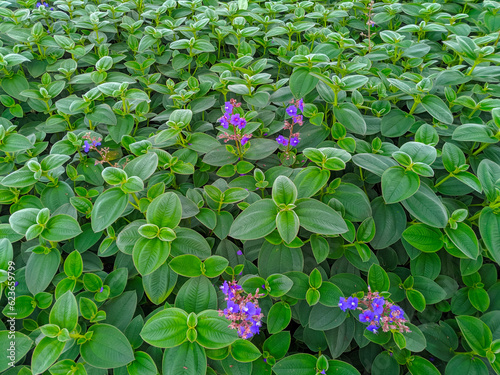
(307, 151)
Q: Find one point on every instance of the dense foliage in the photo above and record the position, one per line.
(193, 187)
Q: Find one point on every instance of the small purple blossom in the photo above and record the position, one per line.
(235, 119)
(228, 107)
(86, 148)
(300, 104)
(244, 140)
(353, 303)
(372, 328)
(366, 316)
(344, 305)
(294, 141)
(16, 283)
(225, 288)
(291, 111)
(239, 252)
(223, 121)
(378, 305)
(323, 372)
(282, 140)
(102, 288)
(242, 123)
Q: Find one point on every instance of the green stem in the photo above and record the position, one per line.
(444, 179)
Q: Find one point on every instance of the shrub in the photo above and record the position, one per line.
(205, 187)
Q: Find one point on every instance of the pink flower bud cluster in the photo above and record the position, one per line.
(377, 312)
(243, 311)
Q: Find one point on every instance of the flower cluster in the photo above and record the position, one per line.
(244, 312)
(42, 4)
(377, 312)
(238, 122)
(91, 143)
(293, 139)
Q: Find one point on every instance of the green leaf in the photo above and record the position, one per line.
(215, 265)
(284, 191)
(437, 108)
(213, 330)
(427, 207)
(287, 223)
(64, 313)
(108, 207)
(399, 184)
(188, 358)
(476, 333)
(22, 345)
(166, 329)
(256, 221)
(159, 284)
(419, 365)
(45, 354)
(40, 270)
(310, 180)
(489, 227)
(143, 166)
(108, 347)
(301, 82)
(186, 265)
(349, 116)
(464, 238)
(466, 364)
(149, 254)
(279, 317)
(165, 211)
(297, 364)
(196, 295)
(244, 351)
(61, 228)
(378, 279)
(319, 218)
(424, 237)
(416, 299)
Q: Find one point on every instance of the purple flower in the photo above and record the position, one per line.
(38, 5)
(235, 119)
(102, 288)
(298, 119)
(86, 148)
(95, 143)
(228, 107)
(366, 316)
(372, 328)
(378, 305)
(353, 303)
(255, 327)
(223, 121)
(291, 111)
(344, 304)
(16, 283)
(397, 312)
(249, 309)
(244, 139)
(239, 252)
(323, 372)
(231, 308)
(242, 123)
(294, 141)
(225, 288)
(300, 104)
(282, 140)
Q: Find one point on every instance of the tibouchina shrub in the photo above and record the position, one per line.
(249, 187)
